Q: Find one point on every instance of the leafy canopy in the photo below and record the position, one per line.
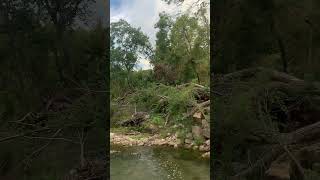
(127, 45)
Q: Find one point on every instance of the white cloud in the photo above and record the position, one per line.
(141, 13)
(144, 14)
(143, 64)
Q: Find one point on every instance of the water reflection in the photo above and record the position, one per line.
(146, 163)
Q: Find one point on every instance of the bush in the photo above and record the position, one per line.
(159, 98)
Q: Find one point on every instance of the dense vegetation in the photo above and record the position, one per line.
(265, 88)
(53, 87)
(173, 90)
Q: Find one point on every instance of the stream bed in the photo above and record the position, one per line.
(157, 163)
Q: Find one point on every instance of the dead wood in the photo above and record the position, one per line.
(267, 158)
(197, 107)
(307, 133)
(246, 74)
(22, 134)
(137, 119)
(301, 101)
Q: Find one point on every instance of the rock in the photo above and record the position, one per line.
(113, 151)
(279, 171)
(160, 142)
(197, 116)
(206, 133)
(197, 132)
(195, 147)
(176, 134)
(188, 141)
(205, 124)
(204, 148)
(189, 135)
(206, 155)
(171, 143)
(179, 141)
(207, 142)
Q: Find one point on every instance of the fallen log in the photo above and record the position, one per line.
(191, 84)
(267, 158)
(293, 105)
(273, 75)
(136, 120)
(303, 134)
(307, 133)
(294, 141)
(198, 107)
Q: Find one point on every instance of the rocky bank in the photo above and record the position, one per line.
(140, 139)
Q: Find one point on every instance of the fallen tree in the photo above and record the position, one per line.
(270, 110)
(135, 120)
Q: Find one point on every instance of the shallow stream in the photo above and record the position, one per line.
(157, 163)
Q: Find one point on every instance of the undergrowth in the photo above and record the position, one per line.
(167, 105)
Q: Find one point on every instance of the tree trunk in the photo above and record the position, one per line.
(195, 70)
(82, 160)
(281, 44)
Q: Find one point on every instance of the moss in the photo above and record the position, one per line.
(199, 141)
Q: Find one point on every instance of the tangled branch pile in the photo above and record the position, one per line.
(269, 113)
(176, 103)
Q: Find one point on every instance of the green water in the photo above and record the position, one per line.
(149, 163)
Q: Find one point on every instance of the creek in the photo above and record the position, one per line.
(157, 163)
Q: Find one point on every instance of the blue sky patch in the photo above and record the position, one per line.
(115, 4)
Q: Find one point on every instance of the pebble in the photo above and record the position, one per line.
(173, 141)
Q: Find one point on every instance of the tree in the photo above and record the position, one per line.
(188, 46)
(128, 44)
(162, 42)
(63, 14)
(37, 110)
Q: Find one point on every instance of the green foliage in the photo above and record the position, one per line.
(127, 44)
(184, 45)
(157, 119)
(121, 83)
(166, 100)
(199, 141)
(162, 52)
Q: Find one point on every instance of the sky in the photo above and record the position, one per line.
(144, 14)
